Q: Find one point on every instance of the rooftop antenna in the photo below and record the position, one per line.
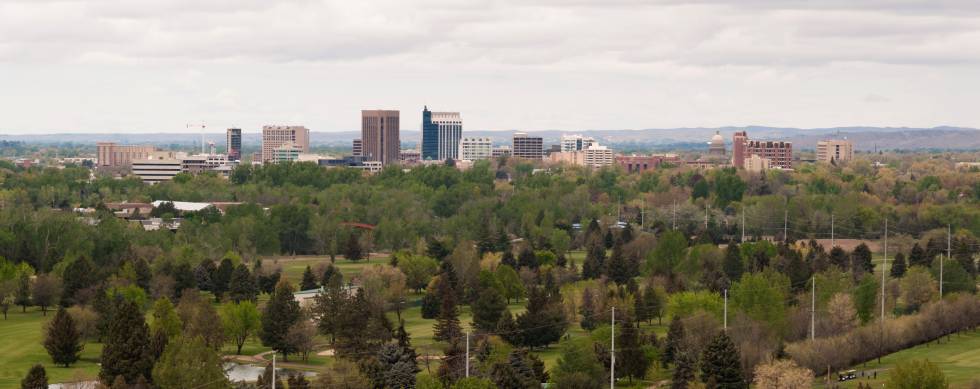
(203, 150)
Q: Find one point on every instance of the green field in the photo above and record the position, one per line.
(20, 348)
(958, 357)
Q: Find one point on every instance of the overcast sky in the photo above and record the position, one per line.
(157, 65)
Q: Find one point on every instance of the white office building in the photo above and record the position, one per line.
(576, 142)
(450, 132)
(474, 149)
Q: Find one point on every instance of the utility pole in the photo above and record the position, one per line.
(612, 354)
(813, 308)
(273, 370)
(786, 223)
(643, 210)
(726, 311)
(706, 216)
(743, 224)
(467, 354)
(949, 255)
(884, 263)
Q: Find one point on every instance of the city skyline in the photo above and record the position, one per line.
(110, 66)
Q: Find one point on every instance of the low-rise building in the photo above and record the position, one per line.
(475, 149)
(642, 163)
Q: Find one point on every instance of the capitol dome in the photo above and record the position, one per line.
(717, 145)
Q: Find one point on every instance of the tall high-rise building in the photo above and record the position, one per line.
(111, 154)
(473, 149)
(380, 135)
(738, 148)
(233, 142)
(357, 148)
(527, 147)
(441, 132)
(835, 150)
(576, 142)
(273, 137)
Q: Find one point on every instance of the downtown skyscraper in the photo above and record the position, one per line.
(441, 132)
(380, 135)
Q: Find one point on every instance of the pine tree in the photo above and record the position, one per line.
(608, 239)
(594, 263)
(652, 304)
(127, 347)
(683, 370)
(189, 363)
(281, 312)
(616, 267)
(309, 280)
(733, 261)
(838, 257)
(431, 301)
(77, 276)
(36, 378)
(633, 361)
(527, 259)
(453, 365)
(720, 361)
(587, 310)
(508, 259)
(352, 250)
(397, 368)
(488, 308)
(640, 305)
(23, 296)
(543, 322)
(675, 336)
(222, 277)
(626, 235)
(898, 266)
(328, 274)
(265, 379)
(204, 275)
(862, 258)
(242, 285)
(917, 256)
(447, 326)
(62, 340)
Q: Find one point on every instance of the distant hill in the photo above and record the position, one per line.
(865, 138)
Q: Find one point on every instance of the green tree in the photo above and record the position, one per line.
(862, 258)
(652, 303)
(36, 378)
(763, 296)
(352, 250)
(396, 367)
(675, 338)
(189, 363)
(631, 354)
(728, 187)
(45, 291)
(866, 297)
(617, 268)
(721, 363)
(309, 280)
(733, 265)
(489, 304)
(544, 320)
(240, 321)
(684, 370)
(281, 312)
(578, 366)
(126, 351)
(898, 266)
(222, 276)
(418, 270)
(23, 296)
(917, 256)
(165, 318)
(587, 310)
(667, 254)
(62, 340)
(510, 281)
(242, 286)
(916, 374)
(78, 275)
(447, 326)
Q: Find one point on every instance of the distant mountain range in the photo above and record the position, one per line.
(864, 138)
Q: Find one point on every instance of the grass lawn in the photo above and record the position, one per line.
(958, 357)
(20, 348)
(293, 267)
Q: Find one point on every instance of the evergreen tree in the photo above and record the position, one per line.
(242, 285)
(431, 301)
(508, 259)
(36, 378)
(488, 308)
(447, 326)
(632, 358)
(617, 269)
(436, 249)
(78, 275)
(127, 346)
(299, 381)
(328, 274)
(608, 239)
(222, 277)
(898, 266)
(396, 368)
(626, 235)
(543, 322)
(204, 275)
(352, 250)
(733, 261)
(684, 370)
(720, 362)
(653, 304)
(862, 258)
(62, 339)
(453, 365)
(327, 304)
(183, 278)
(587, 310)
(309, 280)
(143, 273)
(640, 305)
(265, 379)
(838, 257)
(675, 337)
(281, 312)
(917, 256)
(595, 262)
(527, 259)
